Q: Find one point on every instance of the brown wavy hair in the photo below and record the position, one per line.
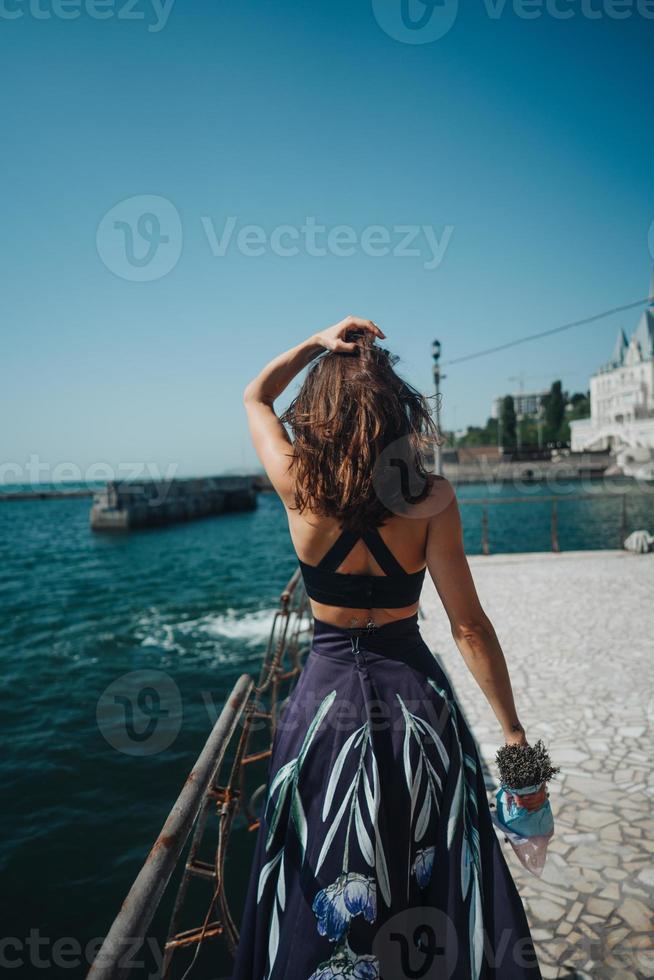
(359, 437)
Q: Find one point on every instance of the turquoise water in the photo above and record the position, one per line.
(79, 610)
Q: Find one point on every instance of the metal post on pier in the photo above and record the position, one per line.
(555, 526)
(623, 521)
(485, 546)
(436, 355)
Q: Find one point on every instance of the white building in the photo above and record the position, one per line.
(622, 400)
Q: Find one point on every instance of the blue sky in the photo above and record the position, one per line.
(525, 147)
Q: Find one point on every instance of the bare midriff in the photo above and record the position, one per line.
(356, 618)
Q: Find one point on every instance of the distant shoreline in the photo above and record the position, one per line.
(508, 475)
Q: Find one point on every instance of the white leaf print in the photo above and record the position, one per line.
(423, 820)
(362, 835)
(320, 714)
(475, 844)
(273, 939)
(466, 860)
(407, 749)
(455, 811)
(334, 827)
(266, 872)
(415, 789)
(369, 797)
(279, 807)
(438, 742)
(281, 886)
(335, 775)
(300, 820)
(283, 773)
(476, 930)
(382, 872)
(381, 868)
(434, 774)
(375, 781)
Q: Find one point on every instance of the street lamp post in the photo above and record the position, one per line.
(436, 355)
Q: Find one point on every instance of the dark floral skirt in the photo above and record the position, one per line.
(376, 855)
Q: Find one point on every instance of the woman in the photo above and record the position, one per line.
(376, 855)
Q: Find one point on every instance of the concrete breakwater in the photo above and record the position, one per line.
(45, 494)
(488, 466)
(122, 505)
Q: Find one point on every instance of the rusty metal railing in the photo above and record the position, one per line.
(486, 503)
(218, 787)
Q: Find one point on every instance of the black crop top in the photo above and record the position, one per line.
(393, 590)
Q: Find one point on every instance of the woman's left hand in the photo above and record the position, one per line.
(333, 338)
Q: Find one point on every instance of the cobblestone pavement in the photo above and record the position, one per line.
(577, 630)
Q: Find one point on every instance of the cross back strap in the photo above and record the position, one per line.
(376, 545)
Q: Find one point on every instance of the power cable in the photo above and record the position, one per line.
(548, 333)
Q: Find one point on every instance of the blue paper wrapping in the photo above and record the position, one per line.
(518, 820)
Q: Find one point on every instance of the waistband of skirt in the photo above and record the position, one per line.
(407, 626)
(399, 640)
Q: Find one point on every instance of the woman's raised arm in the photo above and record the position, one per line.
(270, 438)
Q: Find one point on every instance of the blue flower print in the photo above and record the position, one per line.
(346, 965)
(351, 894)
(423, 866)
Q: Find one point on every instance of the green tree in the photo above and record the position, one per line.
(554, 412)
(509, 433)
(477, 435)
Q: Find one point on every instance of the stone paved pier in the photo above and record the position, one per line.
(577, 630)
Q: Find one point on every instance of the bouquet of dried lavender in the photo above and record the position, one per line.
(524, 770)
(520, 766)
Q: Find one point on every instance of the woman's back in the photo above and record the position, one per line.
(338, 566)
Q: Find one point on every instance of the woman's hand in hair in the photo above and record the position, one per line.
(334, 338)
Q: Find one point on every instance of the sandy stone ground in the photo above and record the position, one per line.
(577, 630)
